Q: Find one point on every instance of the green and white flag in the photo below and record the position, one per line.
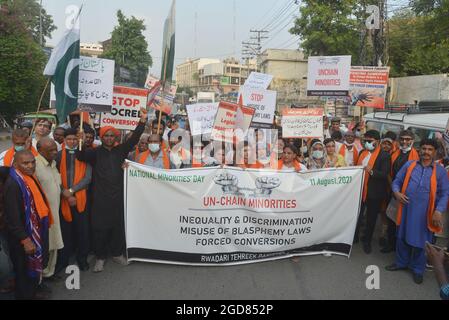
(63, 67)
(168, 46)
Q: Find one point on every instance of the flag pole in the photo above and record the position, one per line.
(39, 106)
(80, 146)
(163, 91)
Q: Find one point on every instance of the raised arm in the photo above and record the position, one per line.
(134, 139)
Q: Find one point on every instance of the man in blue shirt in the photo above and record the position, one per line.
(422, 188)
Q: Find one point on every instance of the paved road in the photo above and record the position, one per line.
(316, 277)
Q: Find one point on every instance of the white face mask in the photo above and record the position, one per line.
(349, 144)
(406, 149)
(304, 150)
(318, 154)
(154, 147)
(369, 146)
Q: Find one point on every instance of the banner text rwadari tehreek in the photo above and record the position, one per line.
(220, 216)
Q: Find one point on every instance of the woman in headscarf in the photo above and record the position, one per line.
(317, 156)
(334, 159)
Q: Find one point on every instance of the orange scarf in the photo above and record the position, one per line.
(371, 163)
(256, 165)
(413, 155)
(355, 154)
(9, 156)
(296, 165)
(432, 197)
(165, 160)
(40, 200)
(81, 196)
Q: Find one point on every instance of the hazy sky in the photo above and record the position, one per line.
(215, 24)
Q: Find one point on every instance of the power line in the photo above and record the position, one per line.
(280, 16)
(270, 20)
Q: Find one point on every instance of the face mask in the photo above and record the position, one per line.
(405, 149)
(70, 149)
(349, 144)
(369, 146)
(318, 154)
(303, 150)
(357, 134)
(154, 147)
(19, 148)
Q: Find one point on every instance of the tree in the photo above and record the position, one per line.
(129, 49)
(28, 11)
(328, 27)
(21, 64)
(419, 42)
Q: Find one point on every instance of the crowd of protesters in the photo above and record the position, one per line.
(61, 202)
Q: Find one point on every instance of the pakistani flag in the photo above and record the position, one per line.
(63, 67)
(168, 46)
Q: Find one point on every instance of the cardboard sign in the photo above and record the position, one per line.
(328, 76)
(302, 123)
(96, 82)
(201, 117)
(230, 117)
(125, 112)
(259, 80)
(369, 86)
(263, 101)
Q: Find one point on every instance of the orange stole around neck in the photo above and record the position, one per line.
(81, 196)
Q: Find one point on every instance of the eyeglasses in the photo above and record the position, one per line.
(405, 139)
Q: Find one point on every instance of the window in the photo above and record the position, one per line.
(235, 70)
(374, 126)
(235, 80)
(421, 134)
(391, 127)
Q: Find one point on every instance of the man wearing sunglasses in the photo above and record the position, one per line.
(377, 168)
(399, 158)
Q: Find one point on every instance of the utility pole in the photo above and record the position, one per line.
(380, 38)
(253, 48)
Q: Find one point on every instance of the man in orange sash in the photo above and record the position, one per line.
(155, 156)
(20, 141)
(348, 149)
(76, 177)
(107, 217)
(28, 217)
(422, 189)
(377, 167)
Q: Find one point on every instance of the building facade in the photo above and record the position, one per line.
(91, 49)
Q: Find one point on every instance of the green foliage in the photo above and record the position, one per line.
(28, 12)
(418, 38)
(21, 64)
(328, 27)
(129, 49)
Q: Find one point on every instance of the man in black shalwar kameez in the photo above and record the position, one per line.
(108, 228)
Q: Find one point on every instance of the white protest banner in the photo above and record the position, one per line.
(201, 117)
(226, 216)
(302, 123)
(328, 76)
(368, 86)
(125, 112)
(230, 117)
(264, 101)
(96, 82)
(259, 80)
